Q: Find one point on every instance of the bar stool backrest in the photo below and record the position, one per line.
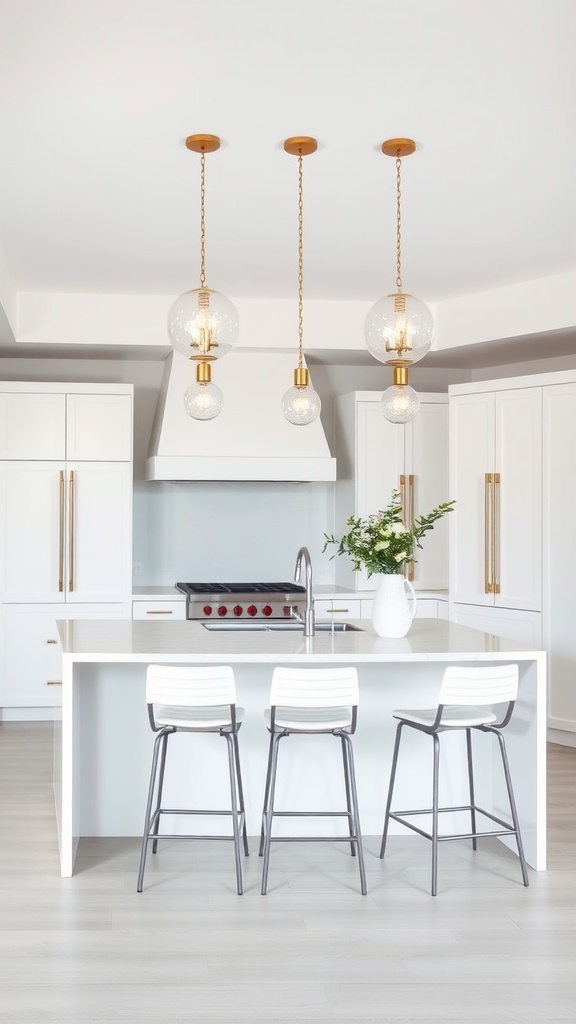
(190, 685)
(490, 684)
(314, 687)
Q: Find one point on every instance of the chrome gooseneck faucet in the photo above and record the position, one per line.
(304, 557)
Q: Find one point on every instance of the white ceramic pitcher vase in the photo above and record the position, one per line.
(394, 605)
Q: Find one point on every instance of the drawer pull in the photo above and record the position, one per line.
(338, 611)
(51, 641)
(160, 611)
(53, 682)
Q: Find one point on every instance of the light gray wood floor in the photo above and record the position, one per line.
(89, 948)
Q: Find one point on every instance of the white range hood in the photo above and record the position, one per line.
(250, 439)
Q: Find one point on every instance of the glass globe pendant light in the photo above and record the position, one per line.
(203, 323)
(399, 328)
(300, 404)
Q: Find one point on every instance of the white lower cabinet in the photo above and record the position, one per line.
(31, 656)
(161, 609)
(510, 623)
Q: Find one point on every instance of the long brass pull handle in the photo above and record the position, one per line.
(71, 529)
(496, 534)
(411, 519)
(53, 682)
(403, 502)
(488, 525)
(160, 611)
(51, 641)
(337, 611)
(61, 532)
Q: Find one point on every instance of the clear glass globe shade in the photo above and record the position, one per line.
(202, 322)
(400, 403)
(399, 330)
(203, 401)
(301, 405)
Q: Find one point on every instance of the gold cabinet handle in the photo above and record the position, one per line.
(71, 529)
(496, 534)
(51, 641)
(159, 611)
(61, 532)
(337, 611)
(53, 682)
(488, 533)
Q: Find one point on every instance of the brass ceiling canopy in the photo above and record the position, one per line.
(398, 147)
(300, 145)
(203, 143)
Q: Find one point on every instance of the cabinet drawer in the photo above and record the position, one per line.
(341, 608)
(169, 609)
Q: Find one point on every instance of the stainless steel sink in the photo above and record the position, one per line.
(278, 627)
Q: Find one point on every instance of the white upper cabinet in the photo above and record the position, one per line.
(99, 427)
(496, 479)
(32, 426)
(376, 457)
(83, 425)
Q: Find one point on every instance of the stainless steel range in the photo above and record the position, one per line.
(243, 600)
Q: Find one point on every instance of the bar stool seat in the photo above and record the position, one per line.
(189, 699)
(468, 700)
(312, 702)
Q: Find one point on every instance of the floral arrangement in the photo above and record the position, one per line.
(381, 543)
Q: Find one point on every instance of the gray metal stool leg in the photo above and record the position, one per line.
(160, 740)
(512, 800)
(240, 793)
(435, 780)
(348, 797)
(161, 774)
(269, 810)
(391, 788)
(266, 792)
(355, 821)
(471, 788)
(234, 806)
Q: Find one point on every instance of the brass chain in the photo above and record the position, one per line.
(202, 220)
(300, 264)
(398, 225)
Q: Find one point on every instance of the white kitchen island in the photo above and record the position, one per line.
(102, 762)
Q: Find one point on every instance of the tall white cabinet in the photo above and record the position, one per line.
(66, 523)
(376, 457)
(512, 547)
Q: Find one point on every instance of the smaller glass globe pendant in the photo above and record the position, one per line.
(301, 404)
(203, 400)
(400, 403)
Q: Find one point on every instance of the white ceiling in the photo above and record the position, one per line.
(99, 194)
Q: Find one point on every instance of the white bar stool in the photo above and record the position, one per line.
(467, 698)
(193, 700)
(312, 702)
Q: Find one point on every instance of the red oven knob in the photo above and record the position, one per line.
(252, 609)
(207, 609)
(267, 610)
(237, 609)
(222, 609)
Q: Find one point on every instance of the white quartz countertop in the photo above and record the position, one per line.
(125, 640)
